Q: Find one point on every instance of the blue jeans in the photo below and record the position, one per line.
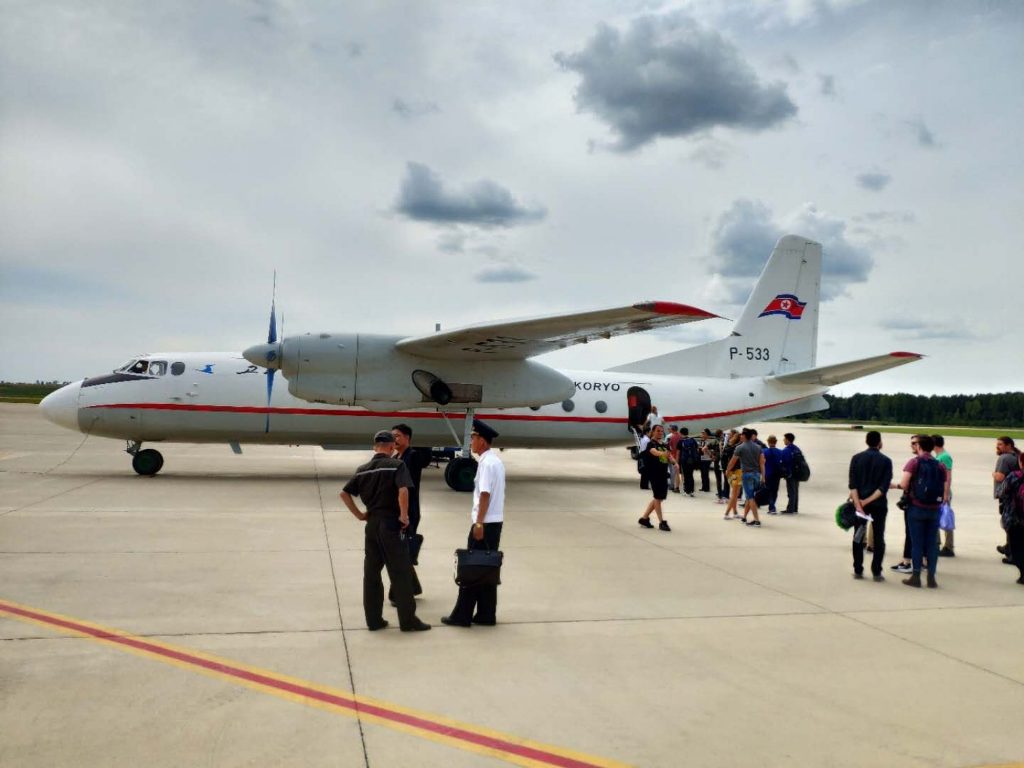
(751, 482)
(924, 537)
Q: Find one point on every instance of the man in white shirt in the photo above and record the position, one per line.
(653, 419)
(478, 604)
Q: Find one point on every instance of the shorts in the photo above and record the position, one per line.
(751, 482)
(735, 478)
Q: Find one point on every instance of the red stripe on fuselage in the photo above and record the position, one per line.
(525, 417)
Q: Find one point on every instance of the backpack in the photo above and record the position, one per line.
(1011, 500)
(801, 469)
(929, 481)
(689, 452)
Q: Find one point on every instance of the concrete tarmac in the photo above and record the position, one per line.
(713, 645)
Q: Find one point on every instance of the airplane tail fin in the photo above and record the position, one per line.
(777, 332)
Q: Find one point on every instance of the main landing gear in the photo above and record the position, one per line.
(146, 462)
(461, 470)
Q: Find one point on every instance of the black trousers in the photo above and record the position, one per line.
(718, 477)
(792, 495)
(480, 603)
(385, 548)
(687, 469)
(705, 476)
(772, 484)
(1016, 537)
(878, 511)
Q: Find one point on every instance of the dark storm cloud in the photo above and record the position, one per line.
(922, 133)
(666, 76)
(503, 273)
(745, 234)
(874, 181)
(483, 203)
(411, 109)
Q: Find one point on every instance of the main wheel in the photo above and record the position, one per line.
(460, 473)
(147, 462)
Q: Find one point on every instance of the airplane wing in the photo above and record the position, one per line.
(520, 339)
(830, 375)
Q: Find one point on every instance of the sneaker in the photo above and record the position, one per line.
(663, 526)
(645, 523)
(755, 523)
(903, 568)
(690, 495)
(720, 500)
(946, 552)
(772, 512)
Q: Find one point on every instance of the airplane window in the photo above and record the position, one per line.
(126, 366)
(177, 369)
(601, 406)
(140, 367)
(568, 405)
(157, 368)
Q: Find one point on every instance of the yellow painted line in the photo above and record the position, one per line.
(463, 736)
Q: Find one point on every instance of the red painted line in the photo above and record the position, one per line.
(671, 308)
(524, 417)
(383, 713)
(905, 354)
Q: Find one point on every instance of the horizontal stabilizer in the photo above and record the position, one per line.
(520, 339)
(830, 375)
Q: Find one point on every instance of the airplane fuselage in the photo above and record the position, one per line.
(220, 397)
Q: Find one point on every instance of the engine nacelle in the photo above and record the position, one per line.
(367, 370)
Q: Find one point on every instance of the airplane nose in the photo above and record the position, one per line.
(61, 407)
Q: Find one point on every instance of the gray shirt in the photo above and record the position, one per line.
(1006, 463)
(749, 454)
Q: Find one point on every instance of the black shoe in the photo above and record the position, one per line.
(755, 523)
(484, 623)
(419, 626)
(1002, 549)
(858, 575)
(663, 526)
(902, 568)
(449, 621)
(1020, 580)
(645, 523)
(786, 512)
(913, 581)
(932, 584)
(946, 552)
(1007, 561)
(877, 577)
(375, 627)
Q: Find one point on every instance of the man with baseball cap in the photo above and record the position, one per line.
(383, 485)
(478, 604)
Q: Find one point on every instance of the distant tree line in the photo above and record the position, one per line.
(1003, 409)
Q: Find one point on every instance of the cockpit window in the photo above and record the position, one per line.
(126, 366)
(177, 369)
(141, 366)
(157, 368)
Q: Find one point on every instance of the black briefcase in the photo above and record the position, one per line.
(415, 542)
(762, 496)
(478, 567)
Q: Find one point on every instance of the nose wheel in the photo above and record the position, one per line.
(460, 473)
(145, 462)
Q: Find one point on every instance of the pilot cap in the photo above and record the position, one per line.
(384, 436)
(485, 431)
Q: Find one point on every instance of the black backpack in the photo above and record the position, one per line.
(801, 469)
(1011, 500)
(689, 452)
(929, 481)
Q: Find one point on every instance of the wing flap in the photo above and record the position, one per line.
(830, 375)
(524, 338)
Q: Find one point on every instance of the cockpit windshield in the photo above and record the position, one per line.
(140, 366)
(126, 366)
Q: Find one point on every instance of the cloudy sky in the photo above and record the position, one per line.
(403, 164)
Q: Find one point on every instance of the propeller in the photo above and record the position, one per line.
(271, 338)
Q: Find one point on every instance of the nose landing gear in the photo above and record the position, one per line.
(145, 462)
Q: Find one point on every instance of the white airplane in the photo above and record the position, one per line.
(342, 387)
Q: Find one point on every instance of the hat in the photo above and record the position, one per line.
(384, 436)
(482, 429)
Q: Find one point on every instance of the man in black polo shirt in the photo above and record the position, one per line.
(870, 478)
(383, 485)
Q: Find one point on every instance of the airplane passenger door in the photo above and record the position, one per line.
(639, 403)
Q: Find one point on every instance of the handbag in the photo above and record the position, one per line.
(947, 521)
(478, 567)
(846, 515)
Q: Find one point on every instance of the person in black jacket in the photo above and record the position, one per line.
(870, 478)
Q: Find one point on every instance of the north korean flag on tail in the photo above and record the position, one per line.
(785, 304)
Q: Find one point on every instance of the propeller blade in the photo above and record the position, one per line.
(272, 333)
(270, 392)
